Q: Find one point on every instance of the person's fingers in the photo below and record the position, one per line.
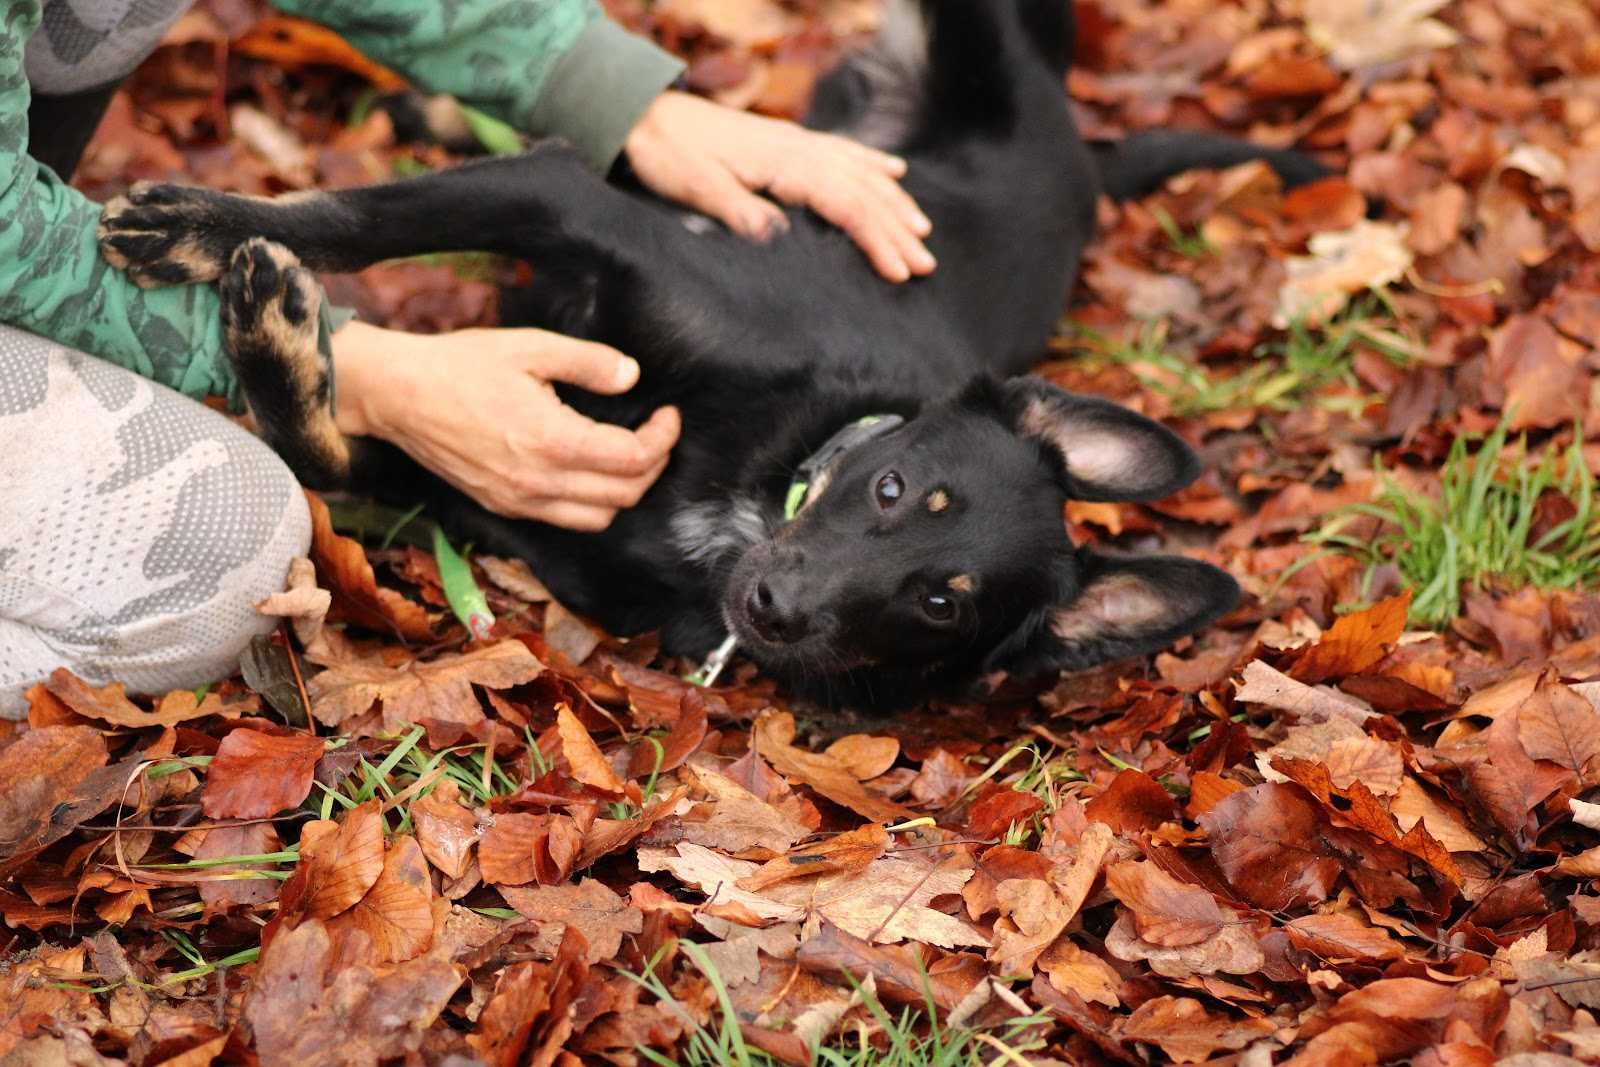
(660, 431)
(586, 364)
(598, 490)
(901, 203)
(576, 442)
(883, 162)
(583, 518)
(715, 190)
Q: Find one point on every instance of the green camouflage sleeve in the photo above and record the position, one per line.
(552, 68)
(52, 279)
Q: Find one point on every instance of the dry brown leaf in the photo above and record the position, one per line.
(1268, 841)
(1072, 970)
(343, 569)
(738, 949)
(519, 847)
(302, 602)
(1356, 642)
(1375, 764)
(887, 902)
(847, 853)
(589, 765)
(1341, 264)
(446, 830)
(1413, 804)
(772, 737)
(1272, 688)
(304, 1007)
(1183, 1029)
(865, 756)
(341, 861)
(1558, 725)
(736, 820)
(514, 576)
(111, 704)
(250, 839)
(1340, 936)
(1234, 950)
(1165, 911)
(1377, 31)
(255, 775)
(596, 912)
(1035, 911)
(395, 916)
(437, 691)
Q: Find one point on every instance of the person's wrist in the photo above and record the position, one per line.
(364, 383)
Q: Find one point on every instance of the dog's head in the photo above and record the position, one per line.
(938, 551)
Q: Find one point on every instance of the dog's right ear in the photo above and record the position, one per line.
(1106, 451)
(1119, 607)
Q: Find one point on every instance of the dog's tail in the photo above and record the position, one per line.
(1139, 163)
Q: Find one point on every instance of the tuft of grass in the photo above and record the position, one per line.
(914, 1038)
(1189, 245)
(1303, 364)
(1480, 528)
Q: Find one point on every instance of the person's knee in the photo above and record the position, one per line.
(141, 544)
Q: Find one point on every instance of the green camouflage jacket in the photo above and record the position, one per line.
(548, 67)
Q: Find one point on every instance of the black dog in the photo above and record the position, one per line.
(929, 547)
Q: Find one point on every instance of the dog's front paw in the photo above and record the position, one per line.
(168, 234)
(270, 321)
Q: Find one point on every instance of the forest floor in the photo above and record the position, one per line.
(1353, 822)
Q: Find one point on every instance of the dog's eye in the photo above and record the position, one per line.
(890, 489)
(939, 608)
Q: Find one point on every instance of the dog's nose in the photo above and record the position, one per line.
(775, 610)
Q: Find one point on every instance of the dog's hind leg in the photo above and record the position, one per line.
(1139, 163)
(545, 201)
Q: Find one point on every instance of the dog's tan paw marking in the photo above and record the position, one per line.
(165, 235)
(270, 307)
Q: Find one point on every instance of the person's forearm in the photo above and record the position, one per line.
(52, 279)
(552, 68)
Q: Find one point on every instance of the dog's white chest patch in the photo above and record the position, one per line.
(706, 531)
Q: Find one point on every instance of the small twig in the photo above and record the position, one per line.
(299, 680)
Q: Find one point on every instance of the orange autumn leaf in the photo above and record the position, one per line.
(845, 853)
(589, 765)
(254, 774)
(341, 860)
(1356, 642)
(773, 734)
(446, 830)
(342, 569)
(1166, 912)
(396, 914)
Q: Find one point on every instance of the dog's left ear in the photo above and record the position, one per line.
(1123, 607)
(1106, 451)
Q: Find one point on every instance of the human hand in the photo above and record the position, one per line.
(476, 407)
(715, 160)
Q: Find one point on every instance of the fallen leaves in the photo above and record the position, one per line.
(1310, 835)
(255, 774)
(308, 1005)
(433, 692)
(601, 916)
(773, 736)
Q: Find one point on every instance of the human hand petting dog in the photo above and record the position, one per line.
(716, 160)
(477, 408)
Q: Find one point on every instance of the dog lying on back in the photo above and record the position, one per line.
(927, 546)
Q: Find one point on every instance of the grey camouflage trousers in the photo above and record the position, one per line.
(138, 529)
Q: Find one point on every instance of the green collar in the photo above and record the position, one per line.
(815, 467)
